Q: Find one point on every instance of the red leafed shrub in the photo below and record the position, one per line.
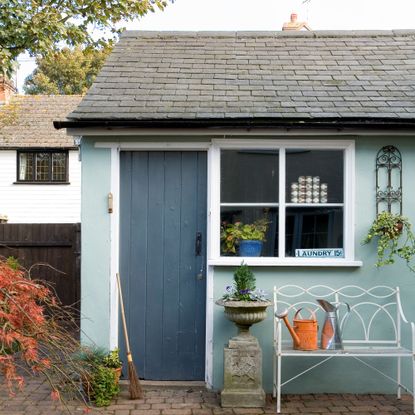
(34, 339)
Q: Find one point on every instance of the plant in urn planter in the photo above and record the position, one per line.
(394, 237)
(244, 305)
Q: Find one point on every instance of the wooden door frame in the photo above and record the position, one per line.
(115, 150)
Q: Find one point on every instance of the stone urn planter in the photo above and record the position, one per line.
(245, 313)
(243, 356)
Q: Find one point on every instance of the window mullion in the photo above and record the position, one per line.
(214, 200)
(35, 167)
(281, 209)
(50, 170)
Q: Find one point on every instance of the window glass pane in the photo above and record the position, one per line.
(249, 176)
(26, 161)
(248, 215)
(313, 227)
(59, 167)
(42, 166)
(314, 176)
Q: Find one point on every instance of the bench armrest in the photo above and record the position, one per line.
(403, 317)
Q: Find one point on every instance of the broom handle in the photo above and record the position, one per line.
(127, 342)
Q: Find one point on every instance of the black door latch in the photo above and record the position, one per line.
(198, 245)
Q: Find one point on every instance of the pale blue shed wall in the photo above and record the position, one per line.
(95, 245)
(341, 376)
(346, 375)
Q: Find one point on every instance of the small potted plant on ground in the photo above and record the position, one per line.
(248, 238)
(112, 361)
(244, 304)
(394, 237)
(101, 384)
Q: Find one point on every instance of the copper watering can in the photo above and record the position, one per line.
(331, 335)
(304, 332)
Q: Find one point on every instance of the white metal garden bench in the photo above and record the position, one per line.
(362, 334)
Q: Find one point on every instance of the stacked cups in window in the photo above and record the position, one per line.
(323, 193)
(294, 192)
(308, 190)
(316, 189)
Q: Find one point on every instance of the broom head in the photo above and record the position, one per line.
(136, 392)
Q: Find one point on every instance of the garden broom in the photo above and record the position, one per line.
(136, 392)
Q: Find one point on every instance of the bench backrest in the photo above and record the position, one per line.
(374, 318)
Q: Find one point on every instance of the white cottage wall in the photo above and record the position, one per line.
(37, 203)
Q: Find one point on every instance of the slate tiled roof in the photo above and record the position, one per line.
(192, 75)
(27, 121)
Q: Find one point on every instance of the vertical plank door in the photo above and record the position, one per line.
(162, 261)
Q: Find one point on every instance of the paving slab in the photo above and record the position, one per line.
(196, 400)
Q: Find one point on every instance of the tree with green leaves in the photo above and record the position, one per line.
(66, 72)
(40, 26)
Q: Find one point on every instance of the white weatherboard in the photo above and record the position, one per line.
(320, 253)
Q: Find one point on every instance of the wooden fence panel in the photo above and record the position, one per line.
(51, 252)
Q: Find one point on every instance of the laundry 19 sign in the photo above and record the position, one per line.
(320, 253)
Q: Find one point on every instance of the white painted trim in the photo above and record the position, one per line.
(231, 132)
(114, 241)
(276, 144)
(250, 204)
(111, 145)
(158, 146)
(209, 270)
(283, 262)
(349, 196)
(214, 207)
(314, 204)
(281, 200)
(209, 327)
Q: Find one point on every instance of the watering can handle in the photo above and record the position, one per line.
(312, 313)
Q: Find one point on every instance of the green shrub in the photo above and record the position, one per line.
(103, 386)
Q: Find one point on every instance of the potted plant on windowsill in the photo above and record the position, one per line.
(244, 304)
(394, 237)
(248, 238)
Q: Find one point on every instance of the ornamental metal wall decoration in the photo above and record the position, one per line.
(388, 179)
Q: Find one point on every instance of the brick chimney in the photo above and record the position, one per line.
(293, 24)
(7, 90)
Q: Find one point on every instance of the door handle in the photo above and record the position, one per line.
(198, 244)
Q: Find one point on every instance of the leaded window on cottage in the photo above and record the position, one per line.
(42, 166)
(299, 192)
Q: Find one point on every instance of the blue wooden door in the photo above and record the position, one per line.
(162, 261)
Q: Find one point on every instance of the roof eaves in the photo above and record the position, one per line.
(254, 122)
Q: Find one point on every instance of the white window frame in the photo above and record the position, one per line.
(348, 201)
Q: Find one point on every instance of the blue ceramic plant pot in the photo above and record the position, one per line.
(250, 248)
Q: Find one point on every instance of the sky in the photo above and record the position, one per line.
(269, 15)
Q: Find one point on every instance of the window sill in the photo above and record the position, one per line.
(41, 183)
(285, 262)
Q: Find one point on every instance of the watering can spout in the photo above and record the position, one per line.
(326, 306)
(282, 314)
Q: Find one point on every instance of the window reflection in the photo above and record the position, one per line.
(318, 227)
(249, 176)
